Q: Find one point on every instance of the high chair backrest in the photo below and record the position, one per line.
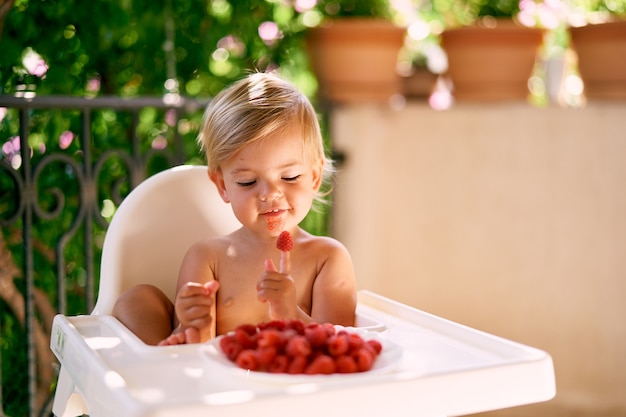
(153, 228)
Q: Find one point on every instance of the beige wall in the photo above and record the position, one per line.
(506, 218)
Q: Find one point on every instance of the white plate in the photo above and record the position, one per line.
(385, 362)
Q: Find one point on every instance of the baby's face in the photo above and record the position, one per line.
(271, 184)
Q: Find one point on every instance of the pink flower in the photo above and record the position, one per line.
(11, 146)
(93, 85)
(304, 5)
(233, 45)
(34, 63)
(159, 143)
(269, 32)
(547, 14)
(440, 100)
(170, 117)
(65, 139)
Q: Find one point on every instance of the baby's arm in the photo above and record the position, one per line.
(334, 291)
(195, 298)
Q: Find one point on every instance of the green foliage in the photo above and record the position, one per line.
(13, 348)
(133, 47)
(498, 8)
(356, 8)
(465, 12)
(599, 10)
(121, 48)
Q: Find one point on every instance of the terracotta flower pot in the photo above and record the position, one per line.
(419, 84)
(601, 49)
(355, 59)
(491, 63)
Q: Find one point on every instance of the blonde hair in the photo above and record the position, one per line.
(254, 108)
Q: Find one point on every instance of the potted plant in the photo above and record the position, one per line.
(598, 34)
(491, 55)
(353, 47)
(419, 68)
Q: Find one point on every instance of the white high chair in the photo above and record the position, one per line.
(430, 367)
(146, 241)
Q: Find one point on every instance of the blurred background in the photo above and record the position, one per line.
(495, 203)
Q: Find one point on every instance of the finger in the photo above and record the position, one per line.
(199, 323)
(269, 266)
(212, 287)
(266, 283)
(197, 308)
(179, 337)
(192, 335)
(192, 288)
(285, 263)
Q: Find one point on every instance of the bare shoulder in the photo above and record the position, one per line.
(332, 258)
(210, 247)
(334, 287)
(323, 245)
(202, 259)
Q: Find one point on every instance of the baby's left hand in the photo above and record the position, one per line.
(276, 287)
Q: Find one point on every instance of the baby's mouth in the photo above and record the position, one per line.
(274, 219)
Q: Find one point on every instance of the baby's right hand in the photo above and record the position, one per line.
(194, 303)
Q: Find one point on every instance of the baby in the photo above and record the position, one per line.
(266, 157)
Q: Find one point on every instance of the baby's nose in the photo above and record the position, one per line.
(271, 193)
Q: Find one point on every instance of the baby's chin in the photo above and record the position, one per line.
(275, 224)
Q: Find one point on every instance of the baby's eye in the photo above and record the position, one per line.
(245, 183)
(291, 179)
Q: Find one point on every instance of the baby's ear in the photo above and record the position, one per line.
(217, 178)
(318, 174)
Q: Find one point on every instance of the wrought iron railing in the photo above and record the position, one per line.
(65, 166)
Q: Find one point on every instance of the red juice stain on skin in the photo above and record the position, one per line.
(274, 223)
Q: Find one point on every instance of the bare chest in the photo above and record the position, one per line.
(237, 301)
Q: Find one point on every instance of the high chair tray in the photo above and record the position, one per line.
(444, 369)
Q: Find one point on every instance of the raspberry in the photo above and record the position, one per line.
(316, 335)
(291, 346)
(356, 342)
(378, 347)
(245, 339)
(270, 337)
(273, 324)
(296, 325)
(322, 364)
(266, 356)
(298, 346)
(279, 364)
(338, 344)
(346, 364)
(248, 359)
(284, 241)
(231, 347)
(364, 359)
(247, 328)
(298, 365)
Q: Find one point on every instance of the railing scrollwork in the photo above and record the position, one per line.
(55, 206)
